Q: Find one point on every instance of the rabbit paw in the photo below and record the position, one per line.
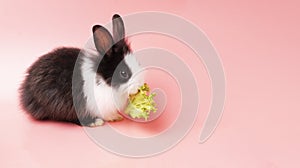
(117, 117)
(97, 122)
(113, 117)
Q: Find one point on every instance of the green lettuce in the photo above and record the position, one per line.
(141, 104)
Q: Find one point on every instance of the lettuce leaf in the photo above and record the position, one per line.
(141, 104)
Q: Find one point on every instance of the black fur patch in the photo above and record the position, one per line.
(46, 93)
(109, 66)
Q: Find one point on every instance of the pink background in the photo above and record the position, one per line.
(258, 43)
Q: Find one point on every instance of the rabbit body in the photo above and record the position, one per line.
(83, 86)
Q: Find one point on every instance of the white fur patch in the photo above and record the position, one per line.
(100, 97)
(103, 101)
(137, 78)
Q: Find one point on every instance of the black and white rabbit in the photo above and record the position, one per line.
(106, 73)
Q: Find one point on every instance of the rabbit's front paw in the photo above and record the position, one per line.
(97, 122)
(113, 117)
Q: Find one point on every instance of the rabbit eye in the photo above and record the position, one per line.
(124, 74)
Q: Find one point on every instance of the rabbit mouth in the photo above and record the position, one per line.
(131, 89)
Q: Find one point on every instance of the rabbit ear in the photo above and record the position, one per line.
(118, 28)
(103, 39)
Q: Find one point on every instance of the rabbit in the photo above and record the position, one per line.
(86, 86)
